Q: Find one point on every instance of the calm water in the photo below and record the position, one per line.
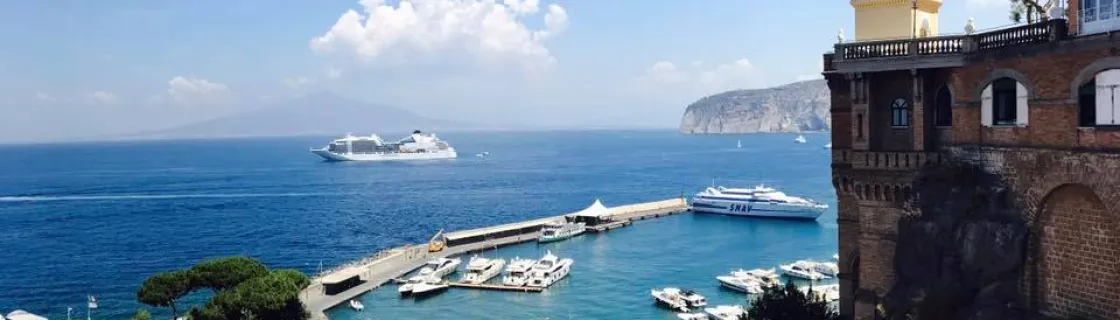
(99, 218)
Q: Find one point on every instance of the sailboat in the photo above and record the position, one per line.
(739, 144)
(800, 139)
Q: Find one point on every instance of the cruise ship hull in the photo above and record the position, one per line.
(402, 156)
(759, 209)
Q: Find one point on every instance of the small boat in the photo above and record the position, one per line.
(480, 270)
(800, 139)
(354, 304)
(828, 146)
(726, 312)
(438, 268)
(692, 316)
(741, 284)
(548, 270)
(429, 286)
(802, 270)
(836, 256)
(829, 269)
(517, 272)
(560, 231)
(671, 298)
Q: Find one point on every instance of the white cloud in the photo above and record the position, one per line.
(44, 97)
(443, 30)
(298, 82)
(102, 97)
(333, 73)
(740, 74)
(197, 92)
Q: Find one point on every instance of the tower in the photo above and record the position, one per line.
(895, 19)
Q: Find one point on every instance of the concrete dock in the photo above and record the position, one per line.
(370, 273)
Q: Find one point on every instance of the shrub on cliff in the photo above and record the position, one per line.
(788, 302)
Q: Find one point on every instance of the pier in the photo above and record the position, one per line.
(350, 281)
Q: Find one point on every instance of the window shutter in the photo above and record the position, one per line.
(1022, 112)
(1106, 81)
(986, 106)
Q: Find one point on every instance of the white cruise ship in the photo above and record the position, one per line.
(417, 146)
(760, 201)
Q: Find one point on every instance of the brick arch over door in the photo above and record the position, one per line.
(1089, 72)
(1073, 254)
(1004, 73)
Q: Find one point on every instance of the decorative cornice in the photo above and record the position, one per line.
(924, 5)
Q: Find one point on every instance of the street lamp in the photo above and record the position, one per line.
(914, 19)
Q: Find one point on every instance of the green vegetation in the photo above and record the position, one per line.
(787, 302)
(141, 314)
(242, 287)
(1028, 9)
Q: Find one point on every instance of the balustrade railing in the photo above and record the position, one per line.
(1046, 31)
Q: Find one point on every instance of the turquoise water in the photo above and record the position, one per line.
(614, 271)
(98, 218)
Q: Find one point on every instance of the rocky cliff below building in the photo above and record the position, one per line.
(795, 107)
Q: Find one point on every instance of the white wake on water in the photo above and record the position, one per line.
(110, 197)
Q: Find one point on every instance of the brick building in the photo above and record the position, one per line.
(1037, 104)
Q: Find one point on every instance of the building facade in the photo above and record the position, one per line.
(1036, 104)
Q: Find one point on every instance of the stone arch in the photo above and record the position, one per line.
(898, 194)
(878, 193)
(1089, 72)
(1072, 252)
(848, 298)
(866, 195)
(1005, 73)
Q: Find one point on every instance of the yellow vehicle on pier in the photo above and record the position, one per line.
(436, 244)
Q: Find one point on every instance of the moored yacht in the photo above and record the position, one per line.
(760, 201)
(430, 285)
(548, 270)
(671, 298)
(517, 272)
(561, 230)
(741, 284)
(357, 306)
(417, 146)
(803, 270)
(437, 268)
(480, 270)
(826, 268)
(692, 316)
(726, 312)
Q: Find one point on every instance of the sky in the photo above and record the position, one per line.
(79, 68)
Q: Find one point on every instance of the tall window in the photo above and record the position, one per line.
(1087, 104)
(900, 113)
(1004, 102)
(1107, 100)
(943, 108)
(859, 126)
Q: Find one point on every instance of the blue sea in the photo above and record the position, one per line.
(98, 218)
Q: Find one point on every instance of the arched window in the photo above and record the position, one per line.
(1087, 104)
(1004, 102)
(1107, 107)
(900, 113)
(943, 108)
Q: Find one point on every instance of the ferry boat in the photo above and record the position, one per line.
(480, 270)
(559, 231)
(760, 201)
(417, 146)
(548, 270)
(517, 272)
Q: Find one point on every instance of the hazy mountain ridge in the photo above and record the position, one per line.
(316, 114)
(795, 107)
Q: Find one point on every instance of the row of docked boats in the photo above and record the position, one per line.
(755, 280)
(540, 273)
(691, 305)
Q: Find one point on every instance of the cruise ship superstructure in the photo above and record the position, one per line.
(760, 201)
(417, 146)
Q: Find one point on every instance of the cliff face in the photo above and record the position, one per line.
(795, 107)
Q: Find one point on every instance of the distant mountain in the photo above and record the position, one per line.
(795, 107)
(316, 114)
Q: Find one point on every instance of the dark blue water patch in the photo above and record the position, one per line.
(98, 218)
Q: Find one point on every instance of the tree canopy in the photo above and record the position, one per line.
(162, 289)
(243, 289)
(1026, 9)
(788, 302)
(225, 273)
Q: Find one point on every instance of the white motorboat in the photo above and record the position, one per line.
(768, 276)
(800, 269)
(357, 306)
(548, 270)
(480, 270)
(826, 292)
(517, 272)
(828, 146)
(430, 285)
(759, 201)
(560, 231)
(741, 284)
(726, 312)
(671, 298)
(800, 139)
(437, 268)
(692, 316)
(829, 269)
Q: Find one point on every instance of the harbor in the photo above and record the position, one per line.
(337, 286)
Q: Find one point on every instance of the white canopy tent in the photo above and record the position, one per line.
(594, 214)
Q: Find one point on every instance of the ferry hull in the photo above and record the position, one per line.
(331, 156)
(761, 210)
